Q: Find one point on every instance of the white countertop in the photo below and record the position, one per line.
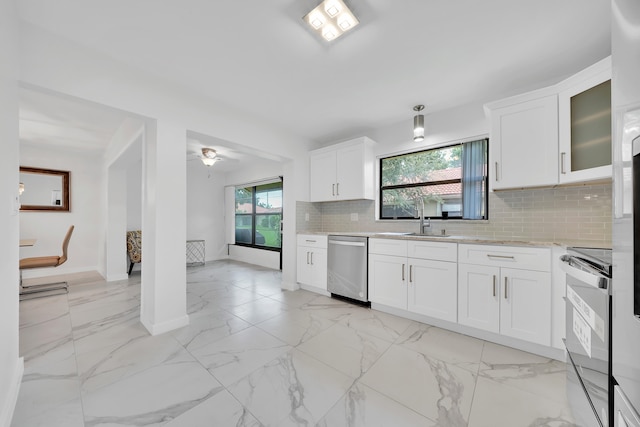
(467, 239)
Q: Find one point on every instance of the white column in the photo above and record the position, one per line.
(164, 272)
(11, 364)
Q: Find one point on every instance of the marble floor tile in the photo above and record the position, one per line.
(237, 355)
(258, 310)
(100, 368)
(46, 341)
(295, 299)
(376, 323)
(496, 404)
(362, 406)
(292, 390)
(440, 391)
(254, 355)
(295, 326)
(441, 344)
(150, 397)
(346, 349)
(204, 329)
(48, 402)
(222, 409)
(38, 310)
(535, 374)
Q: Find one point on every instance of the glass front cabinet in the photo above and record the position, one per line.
(584, 119)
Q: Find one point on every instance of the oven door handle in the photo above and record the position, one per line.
(592, 279)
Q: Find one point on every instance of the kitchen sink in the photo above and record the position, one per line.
(394, 233)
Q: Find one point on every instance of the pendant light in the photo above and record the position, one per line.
(418, 124)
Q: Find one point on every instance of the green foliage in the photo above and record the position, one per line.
(414, 168)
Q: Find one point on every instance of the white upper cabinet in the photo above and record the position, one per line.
(343, 171)
(557, 135)
(524, 143)
(584, 111)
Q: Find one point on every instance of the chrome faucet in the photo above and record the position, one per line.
(420, 209)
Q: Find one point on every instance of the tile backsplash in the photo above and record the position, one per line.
(557, 214)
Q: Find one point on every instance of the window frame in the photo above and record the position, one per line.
(382, 188)
(255, 216)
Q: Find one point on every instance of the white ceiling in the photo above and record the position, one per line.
(257, 56)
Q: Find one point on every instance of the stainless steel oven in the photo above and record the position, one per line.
(588, 308)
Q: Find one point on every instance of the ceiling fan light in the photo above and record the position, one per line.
(209, 162)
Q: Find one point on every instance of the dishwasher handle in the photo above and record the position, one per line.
(585, 274)
(345, 243)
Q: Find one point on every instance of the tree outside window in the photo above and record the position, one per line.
(436, 176)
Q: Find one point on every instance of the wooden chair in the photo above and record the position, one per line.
(134, 247)
(45, 289)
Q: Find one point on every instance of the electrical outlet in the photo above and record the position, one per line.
(354, 216)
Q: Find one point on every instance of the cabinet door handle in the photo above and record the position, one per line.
(333, 189)
(505, 288)
(337, 189)
(311, 258)
(410, 273)
(497, 172)
(563, 156)
(494, 285)
(403, 272)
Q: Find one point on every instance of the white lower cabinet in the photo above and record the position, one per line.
(506, 300)
(387, 280)
(432, 288)
(312, 261)
(424, 286)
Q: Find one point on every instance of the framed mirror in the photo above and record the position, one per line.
(44, 189)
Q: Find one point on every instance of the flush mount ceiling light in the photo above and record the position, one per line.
(209, 156)
(418, 124)
(331, 19)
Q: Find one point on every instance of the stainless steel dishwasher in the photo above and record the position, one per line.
(347, 267)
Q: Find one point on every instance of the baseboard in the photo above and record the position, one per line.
(289, 286)
(9, 405)
(166, 326)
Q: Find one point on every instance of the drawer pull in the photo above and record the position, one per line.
(501, 256)
(310, 241)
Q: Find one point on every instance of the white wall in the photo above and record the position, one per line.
(11, 365)
(442, 127)
(96, 78)
(49, 228)
(205, 208)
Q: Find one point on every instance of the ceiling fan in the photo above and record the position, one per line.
(209, 156)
